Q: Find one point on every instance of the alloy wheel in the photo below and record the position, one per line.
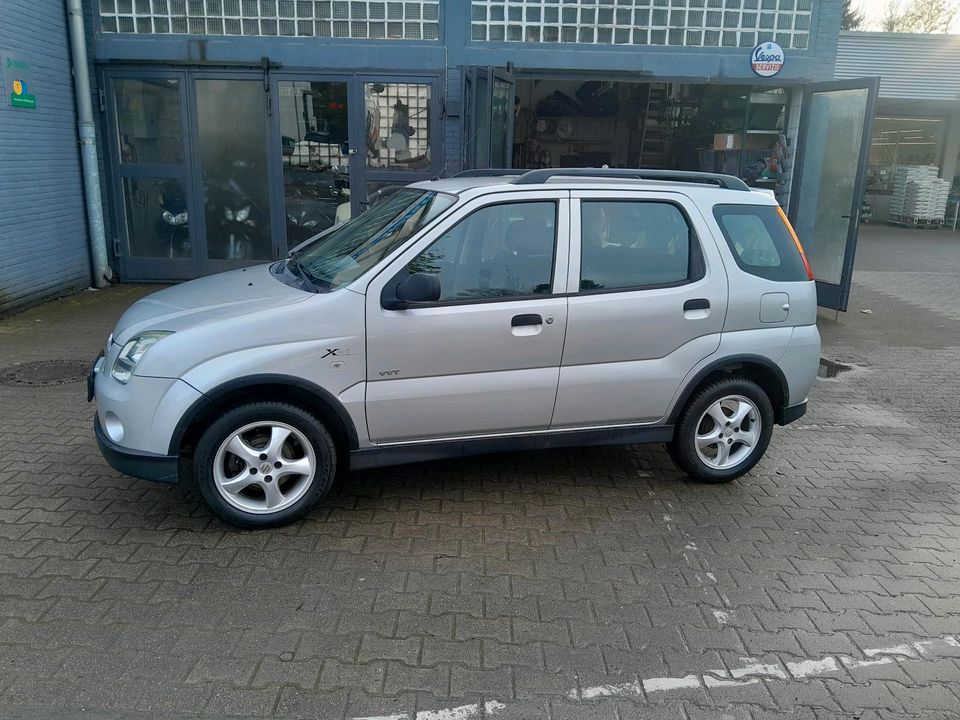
(727, 432)
(264, 467)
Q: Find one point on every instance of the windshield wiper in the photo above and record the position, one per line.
(296, 266)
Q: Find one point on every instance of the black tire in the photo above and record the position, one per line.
(219, 431)
(683, 449)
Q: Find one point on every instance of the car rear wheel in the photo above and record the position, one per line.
(724, 430)
(264, 464)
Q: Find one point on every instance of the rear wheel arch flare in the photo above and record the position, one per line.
(761, 370)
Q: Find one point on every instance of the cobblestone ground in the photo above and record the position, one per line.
(593, 583)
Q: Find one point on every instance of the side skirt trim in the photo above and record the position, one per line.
(426, 451)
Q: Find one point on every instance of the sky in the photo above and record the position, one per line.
(873, 11)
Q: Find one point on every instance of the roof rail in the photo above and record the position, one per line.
(729, 182)
(490, 172)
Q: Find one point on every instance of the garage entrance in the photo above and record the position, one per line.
(739, 130)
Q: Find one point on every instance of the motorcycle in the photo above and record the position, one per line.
(172, 223)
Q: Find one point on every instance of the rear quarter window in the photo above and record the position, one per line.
(760, 242)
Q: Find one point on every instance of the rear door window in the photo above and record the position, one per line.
(760, 242)
(636, 245)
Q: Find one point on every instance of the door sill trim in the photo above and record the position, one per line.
(424, 451)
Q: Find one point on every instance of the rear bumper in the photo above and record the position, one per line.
(789, 414)
(148, 466)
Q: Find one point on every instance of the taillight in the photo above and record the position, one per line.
(796, 241)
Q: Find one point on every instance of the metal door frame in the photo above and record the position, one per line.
(150, 269)
(829, 295)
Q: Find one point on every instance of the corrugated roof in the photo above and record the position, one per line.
(919, 67)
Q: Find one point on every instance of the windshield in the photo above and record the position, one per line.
(345, 253)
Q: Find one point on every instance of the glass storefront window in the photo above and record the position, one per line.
(157, 218)
(233, 162)
(314, 144)
(397, 125)
(902, 141)
(148, 121)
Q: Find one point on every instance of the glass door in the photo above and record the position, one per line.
(155, 235)
(393, 122)
(829, 180)
(312, 122)
(233, 170)
(488, 111)
(503, 90)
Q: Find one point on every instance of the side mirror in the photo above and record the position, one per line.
(417, 288)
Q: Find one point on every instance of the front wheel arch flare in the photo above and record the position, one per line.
(278, 388)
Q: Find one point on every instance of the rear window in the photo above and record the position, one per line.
(760, 242)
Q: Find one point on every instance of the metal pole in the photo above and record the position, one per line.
(88, 146)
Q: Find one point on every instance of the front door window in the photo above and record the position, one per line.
(501, 251)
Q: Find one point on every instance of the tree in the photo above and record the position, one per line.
(921, 16)
(852, 18)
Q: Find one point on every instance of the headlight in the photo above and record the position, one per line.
(171, 219)
(133, 352)
(228, 213)
(243, 213)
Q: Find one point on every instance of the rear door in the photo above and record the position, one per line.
(648, 299)
(484, 358)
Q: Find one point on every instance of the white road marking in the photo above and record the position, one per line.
(806, 668)
(853, 663)
(904, 650)
(760, 670)
(608, 691)
(652, 685)
(754, 672)
(748, 674)
(463, 712)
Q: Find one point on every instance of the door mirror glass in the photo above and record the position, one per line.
(418, 288)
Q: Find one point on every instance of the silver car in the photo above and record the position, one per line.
(488, 312)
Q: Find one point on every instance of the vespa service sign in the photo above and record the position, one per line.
(767, 59)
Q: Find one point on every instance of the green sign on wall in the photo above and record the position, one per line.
(18, 81)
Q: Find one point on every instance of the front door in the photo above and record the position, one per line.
(484, 358)
(648, 301)
(155, 231)
(828, 182)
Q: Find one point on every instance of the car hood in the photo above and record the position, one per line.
(210, 299)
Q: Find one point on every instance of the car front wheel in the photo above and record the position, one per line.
(724, 430)
(264, 464)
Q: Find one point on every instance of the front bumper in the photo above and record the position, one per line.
(145, 465)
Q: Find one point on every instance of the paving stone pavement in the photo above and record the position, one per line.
(591, 583)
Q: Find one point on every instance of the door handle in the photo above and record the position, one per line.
(520, 320)
(696, 304)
